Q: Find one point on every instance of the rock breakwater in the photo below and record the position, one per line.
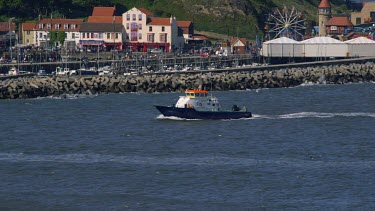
(32, 87)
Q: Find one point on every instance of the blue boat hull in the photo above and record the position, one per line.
(191, 113)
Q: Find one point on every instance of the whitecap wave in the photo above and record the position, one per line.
(68, 97)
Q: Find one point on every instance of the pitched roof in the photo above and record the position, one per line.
(235, 39)
(101, 27)
(324, 4)
(360, 40)
(339, 21)
(104, 11)
(104, 19)
(145, 11)
(28, 26)
(184, 23)
(282, 40)
(199, 37)
(322, 40)
(159, 21)
(46, 21)
(4, 26)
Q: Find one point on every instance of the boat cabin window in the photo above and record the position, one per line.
(191, 94)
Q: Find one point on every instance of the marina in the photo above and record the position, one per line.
(141, 63)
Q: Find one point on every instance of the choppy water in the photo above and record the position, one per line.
(309, 147)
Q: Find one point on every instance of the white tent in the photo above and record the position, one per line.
(360, 46)
(324, 47)
(281, 47)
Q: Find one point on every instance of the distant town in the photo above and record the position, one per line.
(139, 31)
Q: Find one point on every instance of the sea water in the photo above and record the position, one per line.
(308, 147)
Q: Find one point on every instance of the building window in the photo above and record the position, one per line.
(127, 25)
(108, 36)
(57, 26)
(358, 21)
(116, 35)
(134, 26)
(333, 28)
(150, 28)
(48, 26)
(40, 26)
(134, 17)
(73, 26)
(140, 17)
(140, 36)
(28, 32)
(73, 35)
(140, 26)
(162, 28)
(66, 26)
(128, 17)
(83, 35)
(150, 37)
(40, 35)
(163, 38)
(133, 36)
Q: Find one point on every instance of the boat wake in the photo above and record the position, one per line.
(299, 115)
(313, 115)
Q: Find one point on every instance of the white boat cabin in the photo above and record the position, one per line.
(199, 100)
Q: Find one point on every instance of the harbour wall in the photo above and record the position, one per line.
(33, 86)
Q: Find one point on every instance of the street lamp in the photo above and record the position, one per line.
(114, 37)
(10, 38)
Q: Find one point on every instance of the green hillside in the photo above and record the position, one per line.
(243, 18)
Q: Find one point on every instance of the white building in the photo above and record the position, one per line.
(69, 26)
(282, 47)
(361, 47)
(145, 32)
(102, 35)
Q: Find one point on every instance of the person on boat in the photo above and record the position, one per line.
(235, 108)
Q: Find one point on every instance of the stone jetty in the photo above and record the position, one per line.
(32, 87)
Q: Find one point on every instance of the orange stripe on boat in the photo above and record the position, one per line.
(196, 91)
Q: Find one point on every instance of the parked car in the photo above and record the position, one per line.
(205, 54)
(156, 50)
(42, 73)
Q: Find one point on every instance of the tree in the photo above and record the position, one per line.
(52, 38)
(61, 37)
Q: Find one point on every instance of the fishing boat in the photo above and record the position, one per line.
(197, 104)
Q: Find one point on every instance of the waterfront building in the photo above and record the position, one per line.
(338, 25)
(238, 45)
(145, 32)
(27, 32)
(104, 30)
(366, 15)
(71, 27)
(101, 35)
(324, 14)
(7, 34)
(186, 28)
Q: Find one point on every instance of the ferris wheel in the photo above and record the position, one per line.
(285, 23)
